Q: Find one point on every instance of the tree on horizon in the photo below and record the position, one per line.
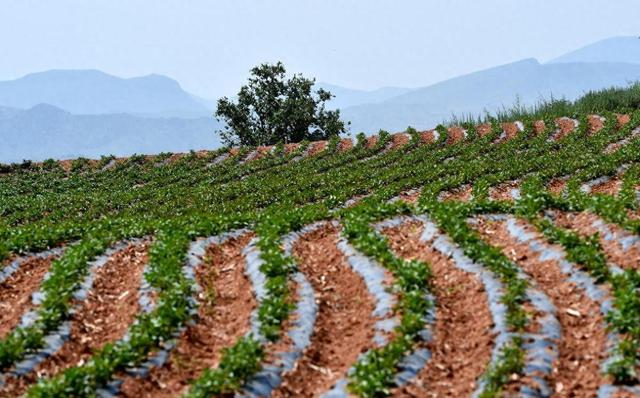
(272, 108)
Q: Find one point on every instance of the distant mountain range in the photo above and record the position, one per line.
(615, 49)
(346, 97)
(45, 131)
(70, 113)
(93, 92)
(489, 90)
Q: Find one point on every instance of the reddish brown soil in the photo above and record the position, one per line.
(595, 124)
(65, 165)
(582, 223)
(263, 151)
(345, 144)
(633, 214)
(399, 140)
(611, 187)
(202, 154)
(503, 191)
(623, 119)
(371, 141)
(317, 147)
(344, 328)
(427, 137)
(624, 394)
(410, 197)
(538, 127)
(565, 127)
(511, 129)
(483, 129)
(557, 185)
(175, 157)
(459, 194)
(234, 151)
(455, 134)
(225, 305)
(15, 292)
(463, 336)
(582, 348)
(105, 316)
(289, 148)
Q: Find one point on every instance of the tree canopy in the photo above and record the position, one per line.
(272, 109)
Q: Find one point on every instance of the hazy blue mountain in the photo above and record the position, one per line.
(615, 49)
(45, 131)
(490, 89)
(95, 92)
(92, 113)
(209, 104)
(345, 97)
(6, 112)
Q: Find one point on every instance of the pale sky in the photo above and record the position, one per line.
(209, 46)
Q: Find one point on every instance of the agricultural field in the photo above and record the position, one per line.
(481, 260)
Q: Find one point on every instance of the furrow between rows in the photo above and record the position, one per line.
(463, 333)
(224, 303)
(379, 282)
(104, 307)
(20, 279)
(344, 327)
(581, 305)
(281, 355)
(621, 247)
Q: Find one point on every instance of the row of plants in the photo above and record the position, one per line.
(451, 217)
(585, 251)
(167, 257)
(186, 179)
(65, 277)
(212, 381)
(105, 196)
(121, 195)
(274, 225)
(548, 159)
(373, 374)
(243, 360)
(102, 194)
